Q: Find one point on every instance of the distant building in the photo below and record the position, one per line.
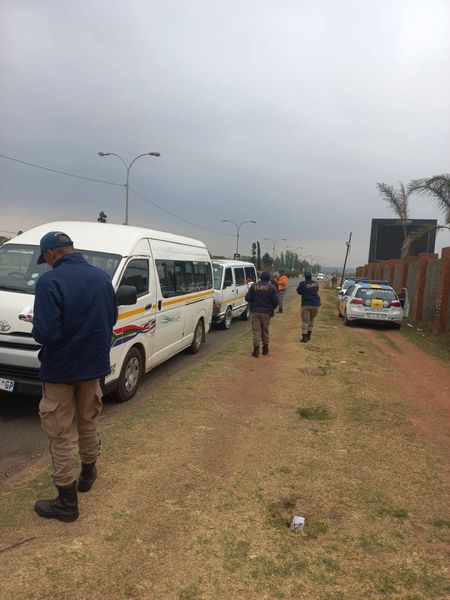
(386, 238)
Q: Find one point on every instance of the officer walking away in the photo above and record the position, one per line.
(282, 282)
(74, 314)
(309, 291)
(263, 300)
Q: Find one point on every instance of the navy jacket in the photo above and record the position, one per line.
(262, 297)
(74, 314)
(309, 291)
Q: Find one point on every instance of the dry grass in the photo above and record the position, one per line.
(198, 488)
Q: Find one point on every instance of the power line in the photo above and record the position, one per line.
(29, 164)
(93, 179)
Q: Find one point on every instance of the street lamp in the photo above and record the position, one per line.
(274, 242)
(128, 167)
(238, 227)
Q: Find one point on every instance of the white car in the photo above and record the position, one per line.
(232, 279)
(371, 301)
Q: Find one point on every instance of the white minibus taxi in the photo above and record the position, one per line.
(231, 282)
(172, 296)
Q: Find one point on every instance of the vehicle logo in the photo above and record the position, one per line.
(4, 326)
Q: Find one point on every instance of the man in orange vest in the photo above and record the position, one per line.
(282, 282)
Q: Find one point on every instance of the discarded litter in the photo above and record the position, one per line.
(342, 361)
(297, 523)
(409, 325)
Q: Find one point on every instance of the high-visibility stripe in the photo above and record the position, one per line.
(187, 297)
(131, 313)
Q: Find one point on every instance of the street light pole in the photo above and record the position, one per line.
(128, 167)
(238, 228)
(274, 245)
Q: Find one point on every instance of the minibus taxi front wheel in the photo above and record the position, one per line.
(130, 376)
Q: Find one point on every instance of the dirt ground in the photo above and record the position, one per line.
(197, 487)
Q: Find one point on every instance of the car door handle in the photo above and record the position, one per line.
(159, 304)
(148, 307)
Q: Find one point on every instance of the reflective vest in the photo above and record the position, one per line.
(282, 283)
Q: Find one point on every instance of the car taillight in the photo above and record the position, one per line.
(357, 301)
(396, 303)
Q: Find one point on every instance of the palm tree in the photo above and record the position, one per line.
(437, 189)
(398, 201)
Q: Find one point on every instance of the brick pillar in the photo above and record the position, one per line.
(443, 291)
(417, 301)
(359, 271)
(392, 264)
(404, 266)
(371, 270)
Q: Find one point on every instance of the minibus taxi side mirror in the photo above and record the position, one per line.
(126, 295)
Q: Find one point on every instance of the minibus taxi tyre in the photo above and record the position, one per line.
(228, 318)
(199, 336)
(246, 314)
(130, 376)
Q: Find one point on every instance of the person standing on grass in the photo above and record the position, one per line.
(282, 282)
(309, 291)
(74, 314)
(263, 300)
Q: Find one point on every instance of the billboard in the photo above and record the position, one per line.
(386, 238)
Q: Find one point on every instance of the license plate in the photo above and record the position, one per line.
(377, 303)
(375, 316)
(7, 385)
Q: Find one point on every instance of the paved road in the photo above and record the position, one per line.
(23, 443)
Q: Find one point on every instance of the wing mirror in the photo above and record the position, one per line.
(126, 295)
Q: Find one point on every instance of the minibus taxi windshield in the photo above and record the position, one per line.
(19, 270)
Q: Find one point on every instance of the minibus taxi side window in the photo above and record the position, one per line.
(228, 279)
(166, 276)
(136, 273)
(250, 274)
(239, 276)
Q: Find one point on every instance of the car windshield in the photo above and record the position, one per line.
(218, 270)
(19, 270)
(370, 293)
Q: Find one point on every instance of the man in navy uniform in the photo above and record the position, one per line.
(263, 300)
(309, 291)
(74, 314)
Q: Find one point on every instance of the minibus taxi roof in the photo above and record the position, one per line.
(232, 263)
(102, 237)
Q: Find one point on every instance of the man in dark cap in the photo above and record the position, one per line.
(309, 291)
(263, 300)
(74, 314)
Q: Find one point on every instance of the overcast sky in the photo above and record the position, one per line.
(283, 111)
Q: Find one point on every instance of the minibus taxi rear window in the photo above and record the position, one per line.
(218, 270)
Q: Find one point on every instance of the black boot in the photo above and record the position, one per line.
(265, 349)
(280, 310)
(304, 338)
(255, 352)
(64, 507)
(309, 335)
(87, 477)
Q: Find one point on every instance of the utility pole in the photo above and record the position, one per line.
(348, 244)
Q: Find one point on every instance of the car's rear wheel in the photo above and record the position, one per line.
(347, 321)
(396, 325)
(227, 320)
(130, 376)
(199, 335)
(246, 314)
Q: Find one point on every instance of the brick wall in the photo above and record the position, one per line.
(419, 274)
(442, 313)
